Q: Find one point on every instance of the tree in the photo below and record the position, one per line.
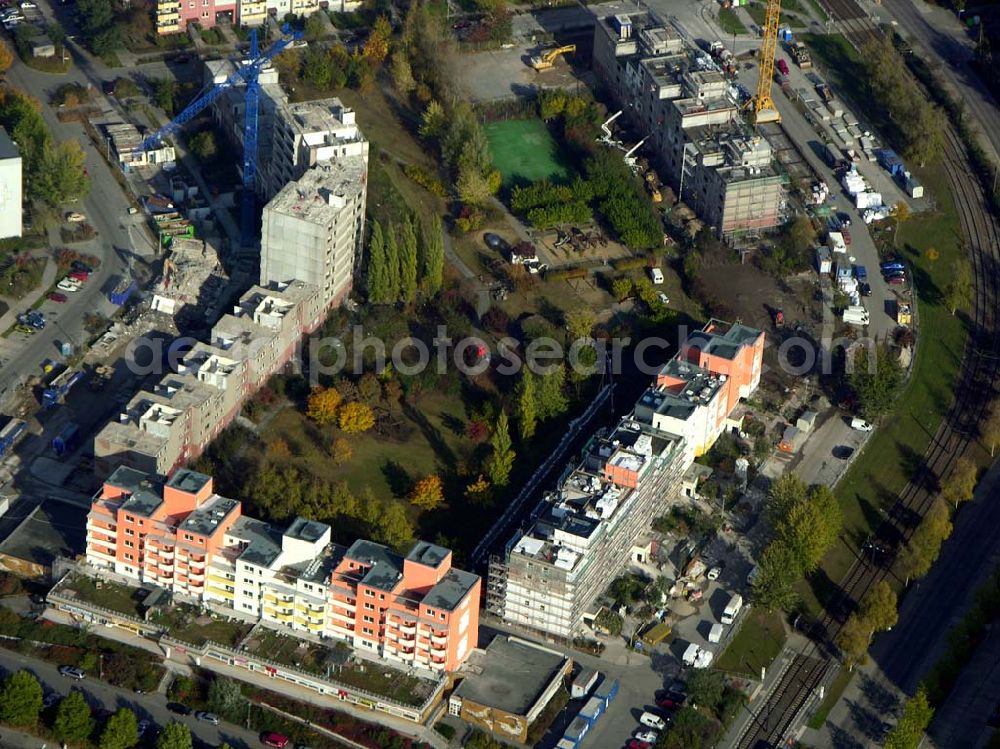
(315, 26)
(876, 382)
(376, 47)
(20, 699)
(777, 571)
(811, 527)
(786, 492)
(878, 608)
(393, 527)
(909, 729)
(473, 186)
(692, 729)
(74, 722)
(432, 260)
(551, 398)
(991, 429)
(959, 290)
(6, 57)
(924, 546)
(121, 730)
(355, 418)
(378, 267)
(479, 490)
(427, 493)
(402, 73)
(434, 121)
(174, 736)
(408, 259)
(203, 145)
(341, 451)
(580, 323)
(705, 688)
(164, 91)
(853, 639)
(392, 264)
(501, 460)
(526, 405)
(961, 485)
(60, 175)
(621, 288)
(900, 215)
(226, 699)
(322, 404)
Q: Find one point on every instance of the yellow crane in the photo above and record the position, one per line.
(548, 58)
(764, 109)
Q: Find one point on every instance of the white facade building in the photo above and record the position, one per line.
(10, 187)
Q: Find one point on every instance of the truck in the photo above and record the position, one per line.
(66, 440)
(801, 54)
(824, 92)
(856, 315)
(732, 609)
(656, 634)
(11, 433)
(58, 388)
(835, 241)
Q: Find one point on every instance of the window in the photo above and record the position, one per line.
(188, 537)
(368, 619)
(129, 519)
(381, 596)
(129, 545)
(442, 616)
(129, 557)
(248, 580)
(369, 594)
(129, 532)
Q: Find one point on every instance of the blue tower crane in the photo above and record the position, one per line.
(247, 72)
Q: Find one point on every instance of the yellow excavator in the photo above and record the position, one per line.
(548, 58)
(763, 104)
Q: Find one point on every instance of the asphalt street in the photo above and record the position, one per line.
(152, 707)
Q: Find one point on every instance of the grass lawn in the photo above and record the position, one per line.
(756, 645)
(833, 695)
(730, 22)
(821, 13)
(114, 596)
(185, 623)
(524, 151)
(758, 11)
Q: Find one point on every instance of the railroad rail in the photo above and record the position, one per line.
(955, 435)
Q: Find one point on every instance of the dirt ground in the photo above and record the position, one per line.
(752, 294)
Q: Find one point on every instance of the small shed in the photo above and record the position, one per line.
(824, 262)
(807, 421)
(42, 46)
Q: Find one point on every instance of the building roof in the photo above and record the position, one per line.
(131, 480)
(51, 530)
(385, 567)
(188, 481)
(451, 590)
(206, 519)
(263, 541)
(722, 339)
(321, 192)
(8, 149)
(512, 675)
(306, 530)
(428, 554)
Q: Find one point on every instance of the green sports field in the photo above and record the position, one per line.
(524, 151)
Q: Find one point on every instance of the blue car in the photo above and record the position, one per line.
(891, 266)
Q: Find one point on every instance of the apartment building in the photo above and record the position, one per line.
(179, 535)
(696, 391)
(162, 428)
(173, 16)
(582, 531)
(684, 106)
(313, 228)
(550, 575)
(11, 195)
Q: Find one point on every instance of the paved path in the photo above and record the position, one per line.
(17, 306)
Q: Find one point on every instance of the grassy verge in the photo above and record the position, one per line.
(757, 11)
(731, 23)
(821, 13)
(756, 645)
(833, 695)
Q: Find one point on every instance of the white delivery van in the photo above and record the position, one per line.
(652, 721)
(861, 425)
(656, 275)
(732, 609)
(715, 633)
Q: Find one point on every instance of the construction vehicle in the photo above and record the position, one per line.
(59, 386)
(779, 318)
(100, 377)
(801, 54)
(547, 59)
(764, 108)
(653, 186)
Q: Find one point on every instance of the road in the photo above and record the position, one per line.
(152, 707)
(106, 208)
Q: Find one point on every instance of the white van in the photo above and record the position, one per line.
(656, 274)
(652, 721)
(861, 425)
(732, 609)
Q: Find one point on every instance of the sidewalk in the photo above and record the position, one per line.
(17, 306)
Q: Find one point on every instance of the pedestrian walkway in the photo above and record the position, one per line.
(17, 306)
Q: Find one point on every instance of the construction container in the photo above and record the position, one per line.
(66, 440)
(59, 387)
(121, 292)
(824, 264)
(785, 34)
(608, 691)
(593, 710)
(583, 683)
(577, 730)
(890, 161)
(12, 432)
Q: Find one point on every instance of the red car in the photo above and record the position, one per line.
(55, 296)
(896, 280)
(79, 275)
(846, 234)
(280, 741)
(636, 744)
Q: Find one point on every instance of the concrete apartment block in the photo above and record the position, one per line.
(10, 187)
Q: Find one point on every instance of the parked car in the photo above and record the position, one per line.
(844, 218)
(141, 727)
(26, 329)
(82, 267)
(178, 708)
(865, 289)
(843, 452)
(846, 234)
(636, 744)
(79, 275)
(891, 265)
(68, 284)
(713, 574)
(664, 299)
(649, 736)
(207, 717)
(274, 739)
(896, 280)
(72, 672)
(75, 217)
(651, 720)
(55, 296)
(861, 425)
(671, 700)
(50, 699)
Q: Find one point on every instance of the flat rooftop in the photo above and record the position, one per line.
(53, 529)
(188, 481)
(206, 519)
(322, 191)
(514, 675)
(722, 339)
(385, 567)
(450, 590)
(8, 150)
(263, 541)
(307, 530)
(428, 554)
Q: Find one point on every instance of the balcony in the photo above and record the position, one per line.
(439, 640)
(408, 629)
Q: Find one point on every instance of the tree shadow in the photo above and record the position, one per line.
(433, 435)
(398, 478)
(453, 424)
(882, 700)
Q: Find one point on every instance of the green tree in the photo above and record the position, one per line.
(621, 288)
(473, 186)
(692, 729)
(961, 484)
(408, 259)
(121, 731)
(402, 73)
(226, 699)
(878, 608)
(551, 395)
(876, 380)
(164, 91)
(900, 214)
(20, 699)
(394, 528)
(777, 571)
(501, 460)
(990, 429)
(174, 736)
(922, 551)
(203, 145)
(315, 27)
(811, 527)
(909, 729)
(434, 121)
(394, 284)
(853, 639)
(60, 176)
(432, 256)
(786, 493)
(705, 688)
(378, 267)
(526, 407)
(959, 290)
(74, 721)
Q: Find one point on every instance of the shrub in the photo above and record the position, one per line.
(426, 179)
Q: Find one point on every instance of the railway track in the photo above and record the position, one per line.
(955, 436)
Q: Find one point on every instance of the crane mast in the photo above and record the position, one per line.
(764, 109)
